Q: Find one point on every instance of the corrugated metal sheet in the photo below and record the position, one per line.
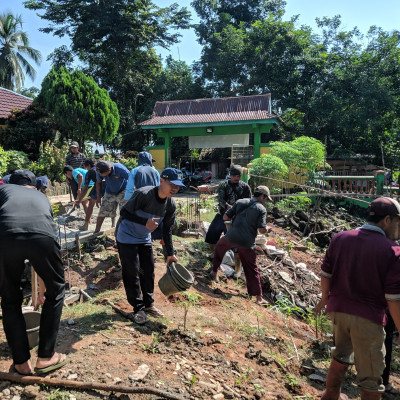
(10, 100)
(241, 108)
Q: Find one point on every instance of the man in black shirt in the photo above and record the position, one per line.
(27, 231)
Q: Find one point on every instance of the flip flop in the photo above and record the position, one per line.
(155, 312)
(52, 367)
(139, 318)
(262, 303)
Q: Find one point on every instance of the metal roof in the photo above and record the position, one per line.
(241, 108)
(10, 100)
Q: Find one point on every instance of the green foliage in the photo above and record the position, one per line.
(191, 300)
(80, 108)
(27, 129)
(128, 162)
(268, 166)
(51, 161)
(15, 53)
(17, 160)
(152, 347)
(285, 306)
(4, 157)
(289, 205)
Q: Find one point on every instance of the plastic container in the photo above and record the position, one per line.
(176, 279)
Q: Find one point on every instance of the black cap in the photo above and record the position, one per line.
(236, 170)
(23, 177)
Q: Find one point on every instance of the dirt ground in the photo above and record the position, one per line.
(231, 349)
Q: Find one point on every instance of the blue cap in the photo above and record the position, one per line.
(42, 181)
(173, 175)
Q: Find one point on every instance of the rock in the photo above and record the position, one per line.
(294, 224)
(301, 265)
(6, 392)
(72, 377)
(117, 380)
(306, 370)
(70, 321)
(276, 213)
(16, 397)
(99, 248)
(140, 373)
(317, 378)
(108, 375)
(302, 215)
(281, 222)
(218, 396)
(264, 358)
(31, 391)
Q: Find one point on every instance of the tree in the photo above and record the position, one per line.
(26, 129)
(80, 109)
(122, 60)
(15, 52)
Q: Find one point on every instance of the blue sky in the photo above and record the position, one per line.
(360, 13)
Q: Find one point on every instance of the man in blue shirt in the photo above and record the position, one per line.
(116, 177)
(148, 175)
(142, 214)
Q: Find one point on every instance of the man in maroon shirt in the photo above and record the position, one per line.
(360, 278)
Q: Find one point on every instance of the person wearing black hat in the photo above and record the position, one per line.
(28, 232)
(360, 277)
(75, 160)
(228, 193)
(142, 214)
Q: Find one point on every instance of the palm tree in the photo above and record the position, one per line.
(14, 47)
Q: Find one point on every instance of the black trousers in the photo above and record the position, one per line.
(138, 274)
(44, 255)
(390, 327)
(74, 187)
(215, 229)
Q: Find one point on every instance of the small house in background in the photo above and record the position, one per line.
(212, 123)
(9, 101)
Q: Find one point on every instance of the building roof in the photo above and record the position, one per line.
(209, 111)
(10, 100)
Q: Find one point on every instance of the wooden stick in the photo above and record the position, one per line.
(78, 246)
(34, 286)
(14, 377)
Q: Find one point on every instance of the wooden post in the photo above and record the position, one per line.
(34, 285)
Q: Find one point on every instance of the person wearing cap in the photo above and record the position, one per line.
(360, 278)
(42, 183)
(116, 177)
(249, 217)
(228, 193)
(148, 175)
(28, 232)
(75, 160)
(141, 215)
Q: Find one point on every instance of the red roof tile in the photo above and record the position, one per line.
(241, 108)
(10, 100)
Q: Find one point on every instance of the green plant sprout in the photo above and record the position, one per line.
(192, 301)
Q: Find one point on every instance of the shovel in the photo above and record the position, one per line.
(69, 212)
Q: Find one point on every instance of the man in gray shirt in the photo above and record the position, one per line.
(249, 215)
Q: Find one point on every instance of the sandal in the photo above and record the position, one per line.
(155, 312)
(14, 370)
(139, 317)
(52, 367)
(212, 277)
(262, 303)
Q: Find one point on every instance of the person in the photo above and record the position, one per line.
(78, 175)
(27, 231)
(148, 175)
(89, 185)
(144, 211)
(249, 215)
(228, 193)
(360, 277)
(390, 328)
(116, 177)
(6, 178)
(42, 183)
(75, 159)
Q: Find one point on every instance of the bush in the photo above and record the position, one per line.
(291, 204)
(51, 161)
(268, 166)
(3, 161)
(17, 160)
